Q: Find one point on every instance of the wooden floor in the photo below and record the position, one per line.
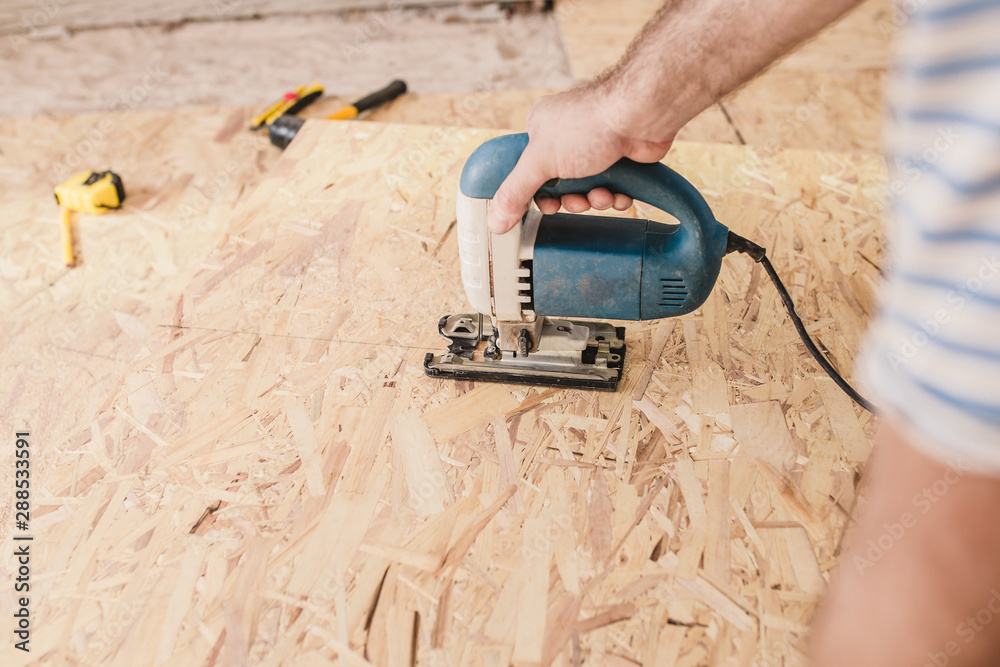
(254, 61)
(241, 462)
(273, 479)
(20, 16)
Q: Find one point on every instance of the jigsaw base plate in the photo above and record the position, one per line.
(570, 354)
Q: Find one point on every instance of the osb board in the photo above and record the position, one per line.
(68, 335)
(275, 481)
(835, 111)
(23, 16)
(824, 96)
(447, 50)
(184, 171)
(827, 94)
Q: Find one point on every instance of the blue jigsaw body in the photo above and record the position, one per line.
(614, 268)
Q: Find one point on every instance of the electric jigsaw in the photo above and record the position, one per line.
(528, 287)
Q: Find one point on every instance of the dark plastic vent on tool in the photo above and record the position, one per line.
(528, 291)
(673, 292)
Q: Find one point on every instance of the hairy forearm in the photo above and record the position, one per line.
(691, 54)
(694, 52)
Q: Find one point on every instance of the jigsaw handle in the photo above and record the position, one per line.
(655, 184)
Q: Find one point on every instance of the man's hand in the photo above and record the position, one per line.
(571, 135)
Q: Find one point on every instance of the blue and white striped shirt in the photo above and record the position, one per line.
(933, 354)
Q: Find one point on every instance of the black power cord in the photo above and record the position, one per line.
(737, 243)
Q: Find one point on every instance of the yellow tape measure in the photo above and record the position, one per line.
(91, 192)
(94, 192)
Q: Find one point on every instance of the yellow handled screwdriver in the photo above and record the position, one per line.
(290, 103)
(282, 130)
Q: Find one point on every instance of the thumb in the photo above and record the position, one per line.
(514, 195)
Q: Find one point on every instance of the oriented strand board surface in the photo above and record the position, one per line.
(251, 62)
(21, 17)
(68, 335)
(831, 110)
(258, 490)
(827, 94)
(66, 329)
(824, 96)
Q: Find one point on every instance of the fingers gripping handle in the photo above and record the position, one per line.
(655, 184)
